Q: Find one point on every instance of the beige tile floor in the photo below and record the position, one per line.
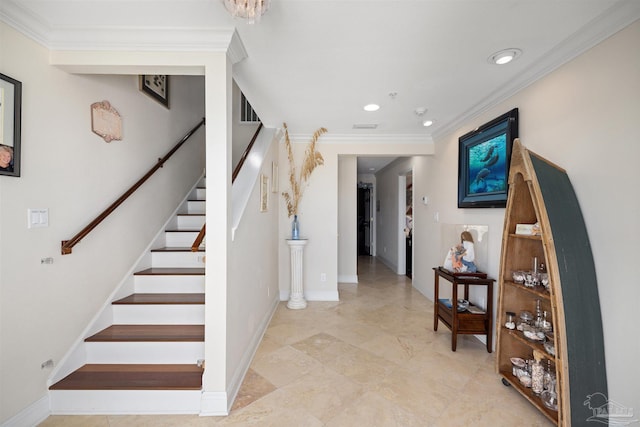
(371, 359)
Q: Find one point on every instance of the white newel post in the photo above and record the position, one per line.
(296, 299)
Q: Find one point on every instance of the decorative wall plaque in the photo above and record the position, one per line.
(106, 121)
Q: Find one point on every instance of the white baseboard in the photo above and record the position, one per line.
(348, 278)
(313, 295)
(32, 415)
(213, 403)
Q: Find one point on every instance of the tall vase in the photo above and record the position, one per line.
(295, 228)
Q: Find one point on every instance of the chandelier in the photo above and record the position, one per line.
(251, 10)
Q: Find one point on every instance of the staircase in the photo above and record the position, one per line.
(147, 361)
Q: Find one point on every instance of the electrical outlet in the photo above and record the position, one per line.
(323, 277)
(47, 260)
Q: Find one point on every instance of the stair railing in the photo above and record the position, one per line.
(67, 245)
(198, 241)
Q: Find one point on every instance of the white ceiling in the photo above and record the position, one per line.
(314, 63)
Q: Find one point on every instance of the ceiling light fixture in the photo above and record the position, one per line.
(504, 56)
(251, 10)
(371, 107)
(427, 123)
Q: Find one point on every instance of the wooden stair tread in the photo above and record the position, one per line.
(149, 333)
(170, 272)
(176, 249)
(162, 299)
(132, 377)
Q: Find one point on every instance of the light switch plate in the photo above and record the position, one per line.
(37, 217)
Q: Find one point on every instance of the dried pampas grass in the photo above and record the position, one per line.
(312, 159)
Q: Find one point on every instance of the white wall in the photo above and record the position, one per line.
(75, 174)
(253, 278)
(347, 219)
(583, 117)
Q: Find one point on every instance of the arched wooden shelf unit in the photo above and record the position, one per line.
(540, 192)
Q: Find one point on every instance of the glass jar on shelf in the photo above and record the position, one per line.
(510, 322)
(526, 318)
(537, 374)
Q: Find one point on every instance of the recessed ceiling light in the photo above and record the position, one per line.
(371, 107)
(427, 123)
(504, 56)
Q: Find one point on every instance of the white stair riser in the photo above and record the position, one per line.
(144, 352)
(158, 314)
(190, 222)
(169, 284)
(180, 239)
(200, 193)
(71, 402)
(196, 206)
(183, 259)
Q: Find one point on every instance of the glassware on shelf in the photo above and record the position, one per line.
(518, 276)
(526, 318)
(546, 326)
(548, 381)
(517, 366)
(550, 397)
(550, 343)
(537, 373)
(544, 280)
(510, 323)
(539, 317)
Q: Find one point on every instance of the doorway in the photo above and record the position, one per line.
(408, 228)
(365, 219)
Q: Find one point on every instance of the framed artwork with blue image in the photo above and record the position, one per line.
(483, 164)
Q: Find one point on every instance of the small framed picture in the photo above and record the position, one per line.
(156, 86)
(10, 125)
(274, 177)
(264, 193)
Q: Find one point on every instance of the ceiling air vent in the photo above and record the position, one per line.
(365, 126)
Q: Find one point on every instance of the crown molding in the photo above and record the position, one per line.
(611, 21)
(118, 38)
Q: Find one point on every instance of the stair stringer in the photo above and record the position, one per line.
(77, 354)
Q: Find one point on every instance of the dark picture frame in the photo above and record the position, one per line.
(483, 164)
(156, 86)
(10, 125)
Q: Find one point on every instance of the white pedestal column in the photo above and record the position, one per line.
(296, 299)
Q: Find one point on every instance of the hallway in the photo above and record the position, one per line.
(371, 359)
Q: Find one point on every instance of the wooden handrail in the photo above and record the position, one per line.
(67, 245)
(199, 239)
(196, 243)
(236, 171)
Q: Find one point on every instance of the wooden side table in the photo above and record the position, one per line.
(464, 322)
